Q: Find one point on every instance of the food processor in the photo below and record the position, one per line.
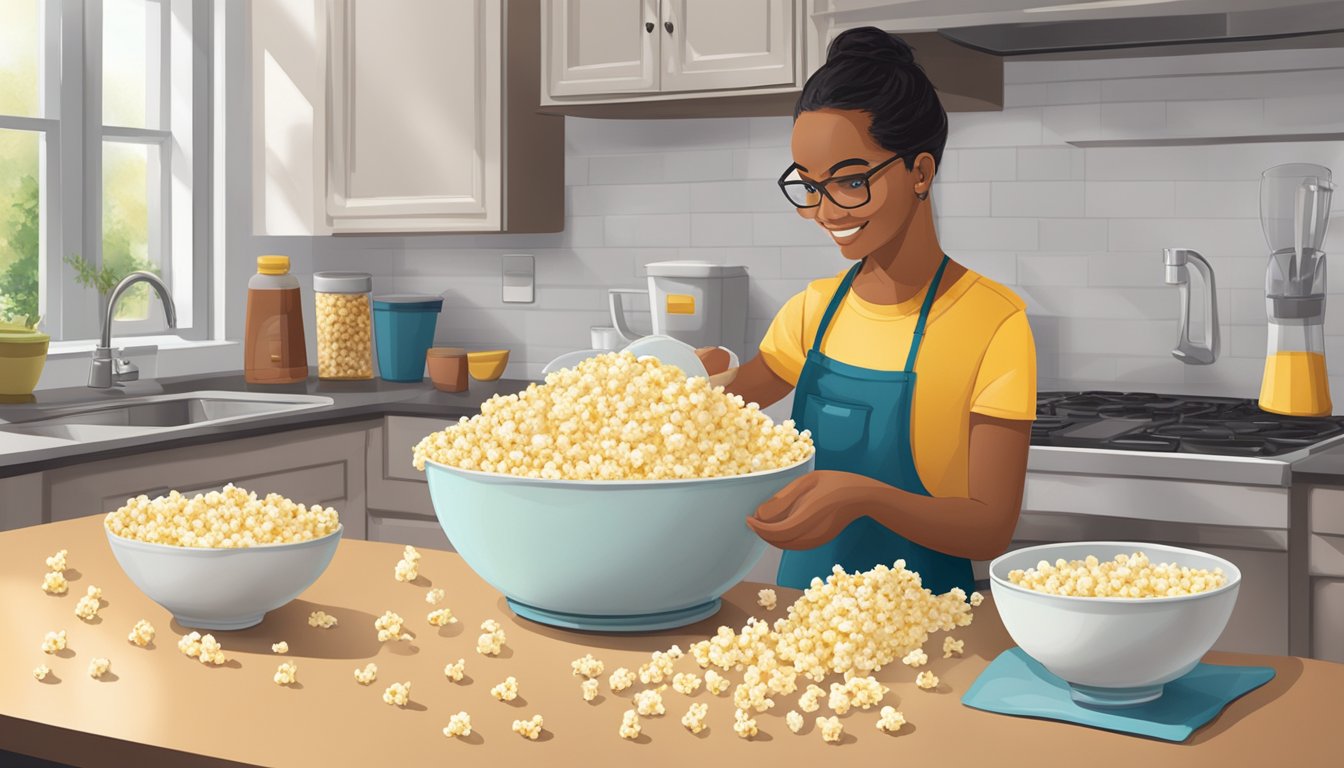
(1294, 211)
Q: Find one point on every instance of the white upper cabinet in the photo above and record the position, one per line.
(712, 45)
(602, 46)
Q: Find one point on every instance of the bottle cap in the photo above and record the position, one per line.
(273, 265)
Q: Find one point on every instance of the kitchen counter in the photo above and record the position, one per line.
(1324, 468)
(159, 707)
(352, 401)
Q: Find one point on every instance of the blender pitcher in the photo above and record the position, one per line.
(1294, 211)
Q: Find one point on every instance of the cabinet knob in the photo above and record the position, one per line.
(648, 26)
(668, 26)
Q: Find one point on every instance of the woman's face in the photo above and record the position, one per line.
(831, 143)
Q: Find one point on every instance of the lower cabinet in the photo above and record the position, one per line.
(416, 531)
(398, 495)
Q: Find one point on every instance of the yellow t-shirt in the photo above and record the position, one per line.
(977, 356)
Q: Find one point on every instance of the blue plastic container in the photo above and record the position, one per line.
(403, 331)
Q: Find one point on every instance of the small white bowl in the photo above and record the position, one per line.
(223, 588)
(1113, 652)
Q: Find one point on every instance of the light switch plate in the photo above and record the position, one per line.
(518, 278)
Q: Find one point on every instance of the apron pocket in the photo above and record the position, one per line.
(836, 427)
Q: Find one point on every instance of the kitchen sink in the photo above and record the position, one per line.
(157, 414)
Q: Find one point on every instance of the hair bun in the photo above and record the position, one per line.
(870, 43)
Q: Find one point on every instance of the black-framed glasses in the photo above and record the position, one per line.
(845, 191)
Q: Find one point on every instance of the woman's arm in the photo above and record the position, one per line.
(815, 508)
(753, 380)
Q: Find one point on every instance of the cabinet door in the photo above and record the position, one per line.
(602, 46)
(712, 45)
(414, 116)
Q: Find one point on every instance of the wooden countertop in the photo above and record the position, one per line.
(159, 707)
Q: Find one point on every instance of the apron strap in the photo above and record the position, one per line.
(924, 315)
(831, 308)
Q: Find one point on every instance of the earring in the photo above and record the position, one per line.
(922, 195)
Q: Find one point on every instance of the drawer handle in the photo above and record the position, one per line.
(668, 26)
(648, 26)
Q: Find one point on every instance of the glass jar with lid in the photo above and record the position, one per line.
(344, 325)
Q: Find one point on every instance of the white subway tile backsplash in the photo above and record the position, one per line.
(576, 170)
(720, 229)
(599, 137)
(703, 165)
(1230, 117)
(1310, 114)
(619, 199)
(987, 234)
(1133, 119)
(625, 169)
(1081, 367)
(761, 162)
(1009, 128)
(1077, 235)
(1241, 306)
(1041, 199)
(651, 230)
(1051, 270)
(1249, 341)
(761, 263)
(1229, 237)
(752, 196)
(787, 229)
(1130, 199)
(961, 199)
(1072, 302)
(1062, 124)
(811, 262)
(1147, 371)
(997, 164)
(770, 131)
(1140, 269)
(1049, 163)
(1150, 338)
(999, 266)
(1229, 377)
(1217, 199)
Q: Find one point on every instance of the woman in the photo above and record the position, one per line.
(916, 376)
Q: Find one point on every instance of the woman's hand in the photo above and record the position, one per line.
(811, 510)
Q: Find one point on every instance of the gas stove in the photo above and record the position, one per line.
(1142, 421)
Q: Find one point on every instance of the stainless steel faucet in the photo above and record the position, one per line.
(1203, 352)
(108, 370)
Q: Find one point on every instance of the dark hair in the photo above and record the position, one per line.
(875, 72)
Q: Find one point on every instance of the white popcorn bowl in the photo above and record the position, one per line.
(223, 588)
(606, 555)
(1113, 652)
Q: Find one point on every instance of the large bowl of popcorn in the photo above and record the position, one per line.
(222, 560)
(1116, 620)
(613, 497)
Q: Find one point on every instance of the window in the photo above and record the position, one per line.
(103, 161)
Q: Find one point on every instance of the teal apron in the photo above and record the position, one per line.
(860, 422)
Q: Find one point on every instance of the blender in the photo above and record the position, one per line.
(1294, 211)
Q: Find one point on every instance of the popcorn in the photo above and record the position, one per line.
(389, 628)
(831, 729)
(630, 724)
(587, 666)
(227, 518)
(434, 596)
(685, 683)
(783, 680)
(54, 583)
(206, 649)
(744, 725)
(840, 700)
(442, 617)
(142, 634)
(454, 671)
(1125, 576)
(321, 619)
(408, 567)
(865, 692)
(716, 683)
(366, 675)
(751, 694)
(794, 721)
(927, 680)
(492, 641)
(57, 562)
(507, 690)
(528, 729)
(344, 349)
(890, 720)
(660, 667)
(398, 694)
(976, 599)
(98, 667)
(589, 689)
(650, 702)
(810, 701)
(88, 605)
(41, 672)
(280, 647)
(616, 417)
(287, 674)
(767, 599)
(459, 725)
(952, 646)
(916, 658)
(623, 678)
(694, 719)
(54, 641)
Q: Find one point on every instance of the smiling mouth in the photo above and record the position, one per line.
(843, 234)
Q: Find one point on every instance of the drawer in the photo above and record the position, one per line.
(1327, 619)
(400, 530)
(401, 433)
(1327, 510)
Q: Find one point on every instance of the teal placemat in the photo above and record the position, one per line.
(1016, 684)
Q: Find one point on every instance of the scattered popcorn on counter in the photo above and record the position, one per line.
(660, 667)
(398, 694)
(926, 680)
(57, 562)
(321, 619)
(751, 694)
(716, 683)
(952, 646)
(88, 605)
(228, 518)
(865, 692)
(491, 642)
(810, 700)
(142, 634)
(685, 683)
(650, 702)
(389, 628)
(589, 689)
(434, 596)
(916, 658)
(287, 674)
(744, 725)
(587, 666)
(280, 647)
(694, 719)
(41, 672)
(442, 617)
(507, 690)
(98, 667)
(455, 671)
(615, 417)
(794, 721)
(366, 675)
(54, 583)
(890, 720)
(831, 729)
(1125, 576)
(53, 642)
(206, 648)
(767, 599)
(458, 725)
(783, 681)
(528, 729)
(630, 724)
(621, 679)
(839, 700)
(976, 599)
(408, 567)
